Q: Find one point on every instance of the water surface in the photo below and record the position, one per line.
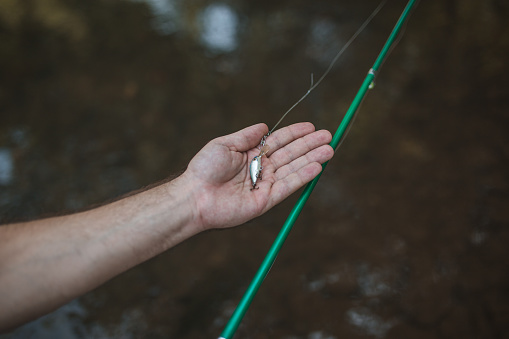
(406, 233)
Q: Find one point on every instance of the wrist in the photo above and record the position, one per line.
(179, 198)
(152, 221)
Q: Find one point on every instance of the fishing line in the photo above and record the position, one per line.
(255, 166)
(331, 65)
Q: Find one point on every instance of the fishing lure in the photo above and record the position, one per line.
(255, 167)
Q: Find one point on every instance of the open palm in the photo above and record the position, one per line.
(220, 174)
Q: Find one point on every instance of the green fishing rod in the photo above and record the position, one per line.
(262, 272)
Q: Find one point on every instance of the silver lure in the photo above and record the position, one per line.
(255, 167)
(255, 170)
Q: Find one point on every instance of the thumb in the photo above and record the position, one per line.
(246, 138)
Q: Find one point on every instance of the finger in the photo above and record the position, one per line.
(299, 147)
(244, 139)
(320, 155)
(286, 135)
(289, 184)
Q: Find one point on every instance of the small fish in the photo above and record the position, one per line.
(255, 167)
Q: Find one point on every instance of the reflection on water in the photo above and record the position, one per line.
(61, 324)
(371, 283)
(320, 335)
(478, 237)
(217, 23)
(67, 323)
(219, 28)
(6, 166)
(369, 323)
(166, 17)
(406, 233)
(325, 42)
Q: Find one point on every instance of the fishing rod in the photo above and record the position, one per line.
(264, 268)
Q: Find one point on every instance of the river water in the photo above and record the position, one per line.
(405, 235)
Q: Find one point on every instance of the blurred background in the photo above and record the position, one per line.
(405, 235)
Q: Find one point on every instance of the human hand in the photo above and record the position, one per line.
(220, 172)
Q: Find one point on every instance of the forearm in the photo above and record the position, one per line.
(46, 263)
